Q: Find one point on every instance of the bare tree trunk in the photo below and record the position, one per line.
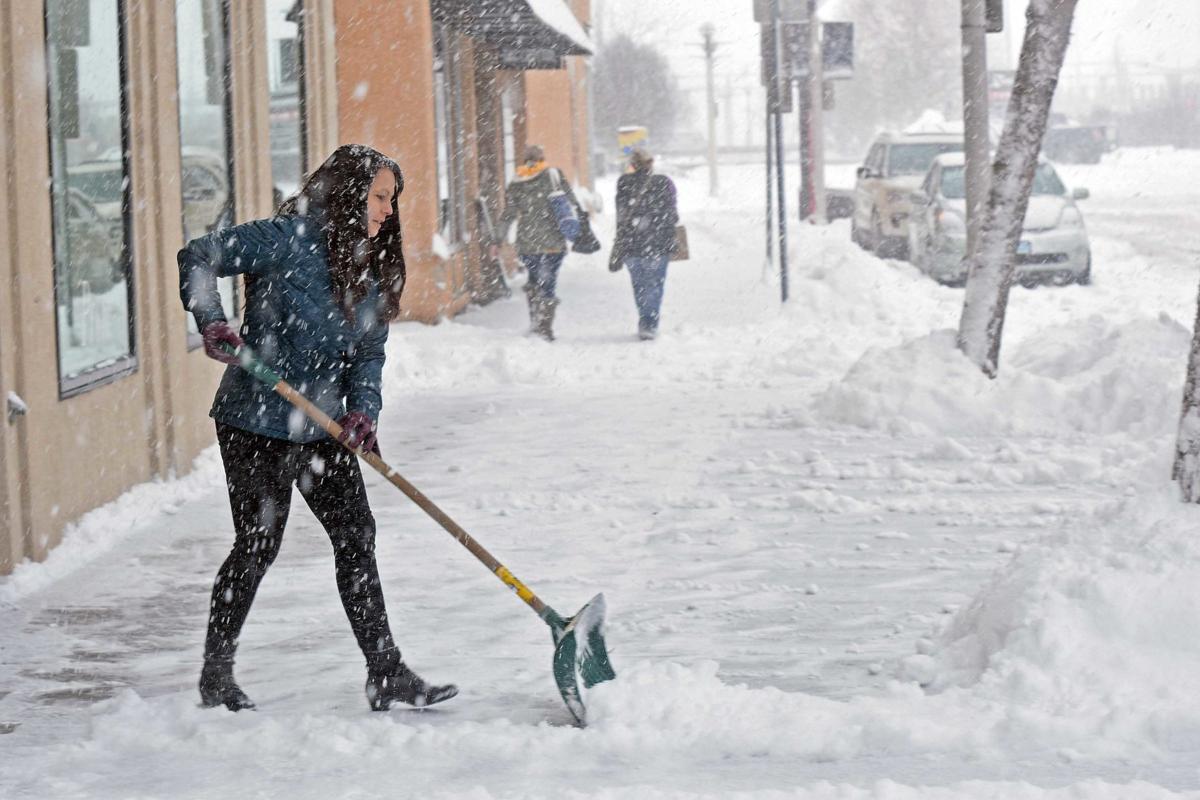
(1187, 444)
(1047, 34)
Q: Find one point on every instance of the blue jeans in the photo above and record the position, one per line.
(649, 275)
(543, 271)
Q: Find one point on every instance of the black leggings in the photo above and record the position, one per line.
(260, 472)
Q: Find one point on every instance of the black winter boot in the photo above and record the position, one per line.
(218, 688)
(531, 294)
(545, 323)
(389, 680)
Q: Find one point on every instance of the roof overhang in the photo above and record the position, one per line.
(530, 34)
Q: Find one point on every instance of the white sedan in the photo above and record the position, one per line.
(1054, 244)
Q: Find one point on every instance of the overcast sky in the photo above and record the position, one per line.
(1160, 33)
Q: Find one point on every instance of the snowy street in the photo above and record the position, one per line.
(839, 563)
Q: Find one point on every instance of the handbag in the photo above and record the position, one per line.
(586, 242)
(680, 251)
(563, 209)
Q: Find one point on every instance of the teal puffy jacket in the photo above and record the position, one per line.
(293, 323)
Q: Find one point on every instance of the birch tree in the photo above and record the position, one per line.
(1187, 444)
(991, 266)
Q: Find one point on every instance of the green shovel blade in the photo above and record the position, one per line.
(580, 655)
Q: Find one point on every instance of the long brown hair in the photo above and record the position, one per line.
(335, 197)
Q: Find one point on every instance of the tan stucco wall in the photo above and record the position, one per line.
(69, 456)
(385, 100)
(368, 78)
(556, 106)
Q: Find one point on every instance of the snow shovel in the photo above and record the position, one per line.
(580, 655)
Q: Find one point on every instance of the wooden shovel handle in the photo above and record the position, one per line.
(252, 365)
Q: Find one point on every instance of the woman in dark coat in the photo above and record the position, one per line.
(647, 214)
(323, 280)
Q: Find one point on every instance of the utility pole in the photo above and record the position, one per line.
(779, 87)
(710, 52)
(770, 204)
(799, 35)
(975, 117)
(816, 93)
(748, 102)
(729, 120)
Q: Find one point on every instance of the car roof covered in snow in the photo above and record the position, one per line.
(911, 137)
(951, 159)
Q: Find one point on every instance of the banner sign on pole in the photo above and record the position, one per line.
(779, 91)
(837, 50)
(994, 13)
(789, 11)
(795, 50)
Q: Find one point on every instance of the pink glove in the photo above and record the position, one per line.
(359, 431)
(216, 334)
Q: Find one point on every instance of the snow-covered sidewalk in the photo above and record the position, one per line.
(839, 563)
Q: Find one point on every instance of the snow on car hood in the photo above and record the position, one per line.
(1044, 211)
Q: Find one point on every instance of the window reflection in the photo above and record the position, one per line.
(207, 183)
(285, 67)
(89, 188)
(447, 115)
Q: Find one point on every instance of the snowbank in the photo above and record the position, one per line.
(1090, 377)
(1089, 634)
(102, 529)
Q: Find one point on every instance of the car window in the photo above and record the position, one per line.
(914, 159)
(1047, 182)
(953, 183)
(874, 162)
(99, 185)
(199, 182)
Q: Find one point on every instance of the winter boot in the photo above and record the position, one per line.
(531, 294)
(545, 323)
(389, 679)
(217, 686)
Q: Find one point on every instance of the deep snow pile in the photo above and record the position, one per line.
(1092, 376)
(1091, 633)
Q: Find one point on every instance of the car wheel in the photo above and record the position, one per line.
(876, 233)
(855, 233)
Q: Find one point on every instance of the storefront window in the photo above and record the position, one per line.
(201, 38)
(285, 62)
(510, 101)
(89, 191)
(448, 121)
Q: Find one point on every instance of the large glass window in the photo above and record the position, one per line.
(447, 105)
(285, 62)
(201, 38)
(89, 191)
(510, 101)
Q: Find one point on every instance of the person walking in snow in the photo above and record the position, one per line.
(323, 280)
(647, 213)
(541, 245)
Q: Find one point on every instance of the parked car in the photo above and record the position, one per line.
(205, 188)
(893, 168)
(95, 247)
(1070, 143)
(1054, 243)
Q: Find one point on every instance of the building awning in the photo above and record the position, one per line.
(528, 33)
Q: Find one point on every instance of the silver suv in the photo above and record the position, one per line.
(894, 167)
